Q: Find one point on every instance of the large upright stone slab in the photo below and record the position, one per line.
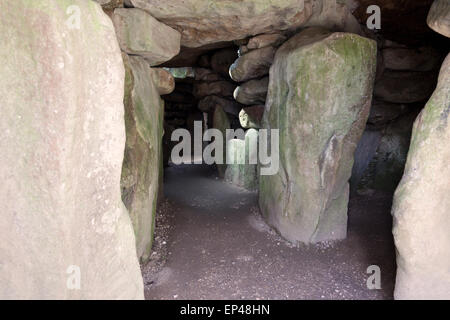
(62, 140)
(242, 155)
(222, 123)
(144, 112)
(421, 207)
(319, 99)
(141, 34)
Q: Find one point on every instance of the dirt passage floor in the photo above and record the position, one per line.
(211, 243)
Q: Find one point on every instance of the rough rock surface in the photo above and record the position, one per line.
(334, 15)
(208, 21)
(240, 171)
(140, 171)
(364, 153)
(222, 60)
(163, 80)
(261, 41)
(252, 65)
(383, 168)
(204, 74)
(406, 59)
(62, 148)
(209, 103)
(382, 112)
(265, 40)
(321, 84)
(159, 43)
(405, 86)
(252, 92)
(439, 17)
(218, 88)
(110, 4)
(422, 205)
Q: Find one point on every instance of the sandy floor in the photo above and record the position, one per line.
(212, 244)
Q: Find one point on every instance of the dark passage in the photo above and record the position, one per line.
(219, 248)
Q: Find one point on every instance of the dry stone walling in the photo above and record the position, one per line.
(62, 144)
(406, 77)
(209, 87)
(251, 70)
(319, 98)
(421, 207)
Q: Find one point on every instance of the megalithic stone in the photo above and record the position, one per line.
(319, 99)
(64, 231)
(242, 169)
(421, 207)
(144, 112)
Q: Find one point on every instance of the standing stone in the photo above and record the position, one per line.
(241, 159)
(141, 34)
(319, 99)
(168, 144)
(439, 17)
(144, 111)
(252, 92)
(252, 65)
(62, 142)
(222, 123)
(422, 203)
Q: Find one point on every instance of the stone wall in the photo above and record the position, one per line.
(406, 77)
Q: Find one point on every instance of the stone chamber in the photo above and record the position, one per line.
(93, 92)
